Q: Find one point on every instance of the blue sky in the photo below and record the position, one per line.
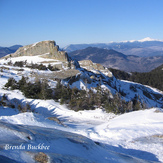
(79, 21)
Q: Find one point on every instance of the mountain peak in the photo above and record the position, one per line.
(143, 40)
(147, 39)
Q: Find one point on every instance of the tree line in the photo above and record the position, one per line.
(74, 98)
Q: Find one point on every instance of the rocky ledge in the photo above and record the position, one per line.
(47, 49)
(90, 66)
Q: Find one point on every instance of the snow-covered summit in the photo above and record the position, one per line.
(144, 40)
(147, 39)
(141, 40)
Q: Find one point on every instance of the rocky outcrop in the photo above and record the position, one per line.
(57, 75)
(47, 49)
(89, 65)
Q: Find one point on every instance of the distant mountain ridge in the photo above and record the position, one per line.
(143, 48)
(7, 50)
(114, 59)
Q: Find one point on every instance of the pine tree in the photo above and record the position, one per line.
(98, 97)
(129, 106)
(57, 91)
(22, 82)
(45, 92)
(12, 83)
(136, 103)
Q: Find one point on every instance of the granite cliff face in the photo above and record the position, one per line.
(47, 49)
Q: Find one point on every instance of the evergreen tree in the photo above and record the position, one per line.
(57, 91)
(98, 96)
(136, 103)
(129, 106)
(22, 82)
(12, 83)
(45, 92)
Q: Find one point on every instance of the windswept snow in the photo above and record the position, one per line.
(30, 59)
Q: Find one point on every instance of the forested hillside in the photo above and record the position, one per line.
(153, 78)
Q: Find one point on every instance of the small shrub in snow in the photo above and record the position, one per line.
(4, 101)
(10, 63)
(37, 66)
(52, 68)
(12, 83)
(38, 90)
(24, 108)
(19, 63)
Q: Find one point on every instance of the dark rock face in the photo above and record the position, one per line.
(47, 49)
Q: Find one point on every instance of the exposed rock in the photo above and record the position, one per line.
(41, 157)
(65, 74)
(57, 75)
(89, 65)
(47, 49)
(57, 120)
(58, 66)
(158, 136)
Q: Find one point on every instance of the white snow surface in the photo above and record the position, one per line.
(131, 137)
(31, 59)
(143, 40)
(147, 39)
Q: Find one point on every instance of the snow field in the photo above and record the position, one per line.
(138, 134)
